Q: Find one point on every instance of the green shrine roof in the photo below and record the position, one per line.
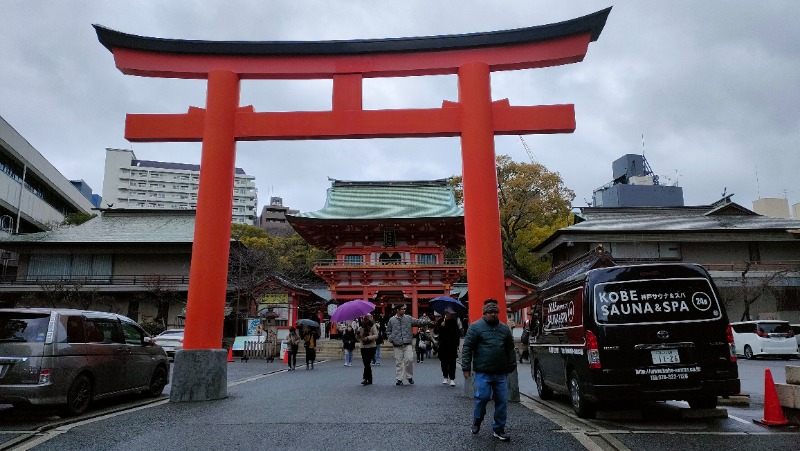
(387, 200)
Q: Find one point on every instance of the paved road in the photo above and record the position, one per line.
(269, 408)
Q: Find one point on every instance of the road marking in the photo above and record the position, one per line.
(38, 437)
(591, 438)
(740, 420)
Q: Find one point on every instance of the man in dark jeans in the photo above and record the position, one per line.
(489, 350)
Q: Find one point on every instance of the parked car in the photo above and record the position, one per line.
(171, 340)
(796, 332)
(70, 358)
(764, 338)
(631, 333)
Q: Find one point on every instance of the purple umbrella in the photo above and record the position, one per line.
(442, 302)
(352, 310)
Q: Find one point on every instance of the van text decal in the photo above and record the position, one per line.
(660, 300)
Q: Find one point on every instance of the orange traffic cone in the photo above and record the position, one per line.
(285, 352)
(230, 354)
(773, 414)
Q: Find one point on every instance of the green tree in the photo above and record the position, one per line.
(534, 203)
(77, 218)
(257, 257)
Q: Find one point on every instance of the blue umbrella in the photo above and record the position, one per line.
(307, 322)
(440, 303)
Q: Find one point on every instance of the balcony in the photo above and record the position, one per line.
(142, 282)
(396, 264)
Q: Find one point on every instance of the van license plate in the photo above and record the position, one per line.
(665, 356)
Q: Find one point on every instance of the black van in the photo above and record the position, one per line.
(639, 332)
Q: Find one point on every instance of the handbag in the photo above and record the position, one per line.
(421, 344)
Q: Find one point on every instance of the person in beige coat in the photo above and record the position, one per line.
(367, 335)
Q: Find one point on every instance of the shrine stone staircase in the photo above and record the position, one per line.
(332, 350)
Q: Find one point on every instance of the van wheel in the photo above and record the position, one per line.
(705, 402)
(78, 397)
(157, 382)
(748, 352)
(544, 392)
(580, 405)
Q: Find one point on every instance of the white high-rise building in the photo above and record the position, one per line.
(131, 183)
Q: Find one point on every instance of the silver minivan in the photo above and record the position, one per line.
(69, 358)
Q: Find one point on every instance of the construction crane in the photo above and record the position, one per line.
(527, 149)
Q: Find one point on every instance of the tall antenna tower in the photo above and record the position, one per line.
(527, 149)
(642, 144)
(758, 185)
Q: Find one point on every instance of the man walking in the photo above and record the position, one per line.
(489, 350)
(398, 330)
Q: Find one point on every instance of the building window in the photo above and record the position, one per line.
(390, 259)
(353, 259)
(754, 252)
(426, 259)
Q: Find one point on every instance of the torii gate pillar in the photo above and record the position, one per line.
(479, 177)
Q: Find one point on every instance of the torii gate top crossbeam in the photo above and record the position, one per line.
(522, 48)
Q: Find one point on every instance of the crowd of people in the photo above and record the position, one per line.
(487, 354)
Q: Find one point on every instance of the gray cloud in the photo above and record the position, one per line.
(712, 85)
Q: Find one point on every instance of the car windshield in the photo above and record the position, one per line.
(23, 327)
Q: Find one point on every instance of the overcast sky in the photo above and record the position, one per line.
(714, 87)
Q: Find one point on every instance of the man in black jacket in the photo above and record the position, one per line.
(489, 350)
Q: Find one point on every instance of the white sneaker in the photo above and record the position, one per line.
(445, 381)
(452, 383)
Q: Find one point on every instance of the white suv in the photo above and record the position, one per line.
(763, 338)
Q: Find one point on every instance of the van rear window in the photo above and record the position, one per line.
(23, 327)
(655, 301)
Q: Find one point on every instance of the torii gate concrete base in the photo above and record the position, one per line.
(204, 375)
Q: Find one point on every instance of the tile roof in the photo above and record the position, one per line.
(730, 217)
(387, 200)
(120, 226)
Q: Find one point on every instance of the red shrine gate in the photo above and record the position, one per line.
(475, 118)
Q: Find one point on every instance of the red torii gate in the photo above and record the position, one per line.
(475, 118)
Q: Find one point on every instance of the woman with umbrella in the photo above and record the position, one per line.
(310, 336)
(449, 330)
(368, 335)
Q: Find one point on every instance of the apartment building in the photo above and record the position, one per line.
(142, 184)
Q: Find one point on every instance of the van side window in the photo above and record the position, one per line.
(74, 328)
(101, 330)
(133, 335)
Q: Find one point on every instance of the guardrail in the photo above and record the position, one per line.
(754, 266)
(143, 279)
(402, 263)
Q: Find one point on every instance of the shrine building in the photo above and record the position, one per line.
(390, 240)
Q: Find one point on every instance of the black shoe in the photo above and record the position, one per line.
(411, 381)
(501, 435)
(476, 426)
(364, 382)
(399, 383)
